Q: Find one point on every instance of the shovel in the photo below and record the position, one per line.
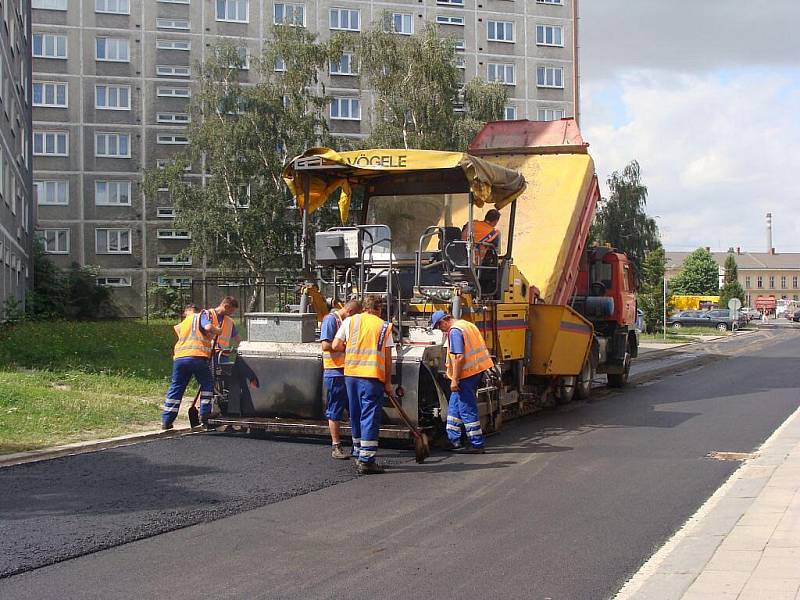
(421, 446)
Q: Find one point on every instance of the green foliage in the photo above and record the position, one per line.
(731, 288)
(416, 83)
(699, 275)
(167, 302)
(651, 289)
(621, 220)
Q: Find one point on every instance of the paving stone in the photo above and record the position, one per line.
(744, 537)
(743, 561)
(718, 582)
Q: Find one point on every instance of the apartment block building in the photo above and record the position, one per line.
(16, 197)
(112, 80)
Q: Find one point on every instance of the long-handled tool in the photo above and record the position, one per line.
(422, 448)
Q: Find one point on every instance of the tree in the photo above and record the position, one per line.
(699, 275)
(241, 217)
(731, 287)
(651, 289)
(416, 83)
(621, 220)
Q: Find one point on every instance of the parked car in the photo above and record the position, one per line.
(752, 314)
(796, 316)
(719, 319)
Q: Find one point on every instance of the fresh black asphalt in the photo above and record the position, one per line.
(567, 504)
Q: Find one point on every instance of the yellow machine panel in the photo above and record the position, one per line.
(561, 340)
(510, 333)
(516, 286)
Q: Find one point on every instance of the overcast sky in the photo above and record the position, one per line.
(705, 94)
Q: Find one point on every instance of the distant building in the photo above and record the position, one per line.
(16, 204)
(760, 273)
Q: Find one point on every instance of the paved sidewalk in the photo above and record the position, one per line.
(744, 542)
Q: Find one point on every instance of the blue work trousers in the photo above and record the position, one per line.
(336, 397)
(462, 411)
(183, 369)
(365, 396)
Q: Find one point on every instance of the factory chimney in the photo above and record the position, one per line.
(770, 249)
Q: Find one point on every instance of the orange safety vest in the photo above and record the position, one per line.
(483, 234)
(191, 341)
(333, 360)
(224, 339)
(366, 341)
(476, 356)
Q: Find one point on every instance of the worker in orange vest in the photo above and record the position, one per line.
(484, 233)
(218, 322)
(333, 374)
(366, 340)
(467, 359)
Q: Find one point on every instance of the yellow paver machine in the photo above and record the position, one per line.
(553, 313)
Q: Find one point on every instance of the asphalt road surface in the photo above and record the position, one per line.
(566, 504)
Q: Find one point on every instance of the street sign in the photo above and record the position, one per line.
(734, 304)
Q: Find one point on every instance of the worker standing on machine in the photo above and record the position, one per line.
(484, 233)
(467, 359)
(366, 340)
(333, 374)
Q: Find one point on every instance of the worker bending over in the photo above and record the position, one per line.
(218, 322)
(467, 359)
(484, 233)
(333, 374)
(366, 340)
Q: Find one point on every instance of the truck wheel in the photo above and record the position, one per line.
(722, 327)
(584, 388)
(618, 380)
(565, 389)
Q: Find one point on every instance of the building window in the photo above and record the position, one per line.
(402, 23)
(173, 71)
(747, 282)
(165, 212)
(174, 92)
(345, 19)
(112, 193)
(114, 281)
(243, 62)
(560, 2)
(50, 143)
(549, 35)
(550, 77)
(174, 281)
(184, 45)
(52, 193)
(759, 282)
(115, 7)
(772, 282)
(165, 260)
(112, 97)
(794, 281)
(346, 109)
(112, 145)
(500, 31)
(500, 73)
(549, 114)
(450, 2)
(173, 24)
(175, 1)
(510, 113)
(347, 65)
(235, 11)
(174, 234)
(459, 45)
(446, 20)
(243, 199)
(172, 140)
(112, 241)
(50, 94)
(56, 241)
(110, 49)
(174, 118)
(49, 4)
(289, 14)
(783, 282)
(49, 45)
(280, 65)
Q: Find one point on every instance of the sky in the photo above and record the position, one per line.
(705, 95)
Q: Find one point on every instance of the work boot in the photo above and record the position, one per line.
(369, 468)
(206, 425)
(450, 446)
(166, 426)
(338, 453)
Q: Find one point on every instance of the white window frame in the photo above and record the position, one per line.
(173, 23)
(541, 35)
(166, 44)
(403, 18)
(172, 139)
(44, 133)
(120, 186)
(173, 234)
(504, 68)
(450, 2)
(497, 26)
(294, 7)
(109, 135)
(111, 90)
(338, 100)
(165, 212)
(542, 82)
(173, 71)
(167, 281)
(56, 239)
(56, 37)
(173, 118)
(172, 260)
(109, 43)
(114, 281)
(175, 1)
(169, 92)
(555, 2)
(510, 113)
(55, 4)
(55, 85)
(339, 11)
(542, 114)
(459, 45)
(461, 62)
(352, 63)
(450, 20)
(227, 12)
(110, 232)
(123, 7)
(55, 185)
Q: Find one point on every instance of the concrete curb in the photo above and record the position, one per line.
(19, 458)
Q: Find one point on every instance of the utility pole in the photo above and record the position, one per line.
(664, 306)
